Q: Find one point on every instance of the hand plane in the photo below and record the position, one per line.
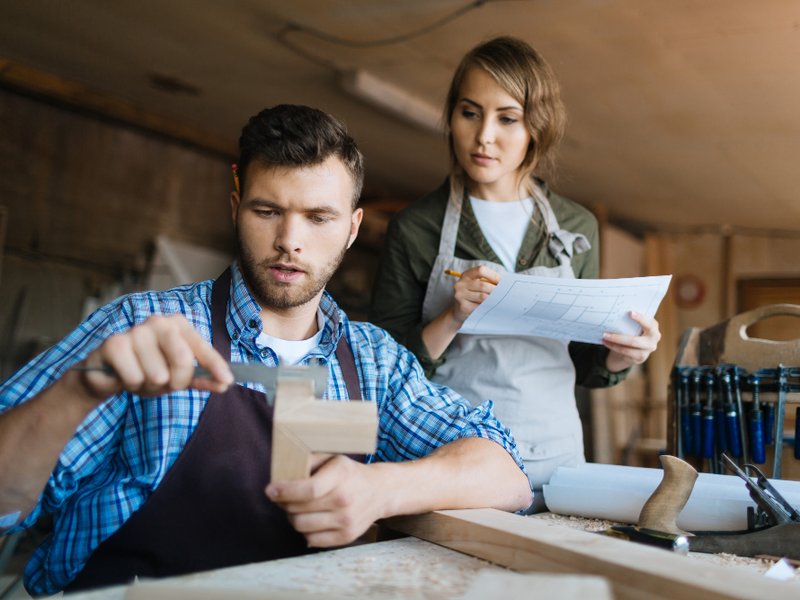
(773, 526)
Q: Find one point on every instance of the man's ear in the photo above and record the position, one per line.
(355, 223)
(235, 201)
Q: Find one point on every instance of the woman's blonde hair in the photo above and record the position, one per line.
(526, 77)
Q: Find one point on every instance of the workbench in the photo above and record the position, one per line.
(401, 568)
(411, 567)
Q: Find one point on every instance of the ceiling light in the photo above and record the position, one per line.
(383, 94)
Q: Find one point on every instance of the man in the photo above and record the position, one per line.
(153, 472)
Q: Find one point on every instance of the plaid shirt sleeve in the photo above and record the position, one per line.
(102, 476)
(417, 416)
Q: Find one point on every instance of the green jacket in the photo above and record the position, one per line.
(412, 243)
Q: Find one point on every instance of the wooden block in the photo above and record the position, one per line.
(635, 571)
(303, 425)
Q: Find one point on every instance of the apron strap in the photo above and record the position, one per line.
(347, 362)
(452, 216)
(561, 243)
(219, 310)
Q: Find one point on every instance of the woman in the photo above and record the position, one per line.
(505, 118)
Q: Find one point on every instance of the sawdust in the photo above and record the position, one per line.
(757, 565)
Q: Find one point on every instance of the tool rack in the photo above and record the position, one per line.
(732, 393)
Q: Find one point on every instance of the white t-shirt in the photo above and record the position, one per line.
(504, 225)
(291, 351)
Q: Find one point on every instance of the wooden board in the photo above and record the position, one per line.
(635, 571)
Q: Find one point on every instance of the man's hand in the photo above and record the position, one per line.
(154, 358)
(629, 350)
(335, 505)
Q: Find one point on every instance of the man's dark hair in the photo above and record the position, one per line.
(289, 135)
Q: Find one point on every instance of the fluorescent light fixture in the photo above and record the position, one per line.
(383, 94)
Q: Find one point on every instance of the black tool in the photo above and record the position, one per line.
(708, 423)
(651, 537)
(684, 430)
(773, 508)
(696, 416)
(797, 433)
(775, 528)
(756, 423)
(741, 426)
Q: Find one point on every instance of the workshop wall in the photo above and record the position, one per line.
(85, 199)
(709, 266)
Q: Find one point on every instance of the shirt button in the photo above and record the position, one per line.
(264, 353)
(523, 261)
(252, 324)
(235, 336)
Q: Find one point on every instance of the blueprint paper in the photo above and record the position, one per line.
(578, 310)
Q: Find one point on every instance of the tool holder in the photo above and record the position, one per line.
(731, 393)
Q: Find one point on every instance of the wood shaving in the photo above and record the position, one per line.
(758, 565)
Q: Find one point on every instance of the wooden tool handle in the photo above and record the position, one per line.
(741, 349)
(742, 321)
(662, 508)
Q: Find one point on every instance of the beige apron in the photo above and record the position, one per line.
(530, 380)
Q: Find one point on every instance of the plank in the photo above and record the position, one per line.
(635, 571)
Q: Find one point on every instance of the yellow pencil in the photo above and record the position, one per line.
(459, 274)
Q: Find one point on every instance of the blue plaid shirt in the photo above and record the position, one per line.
(123, 449)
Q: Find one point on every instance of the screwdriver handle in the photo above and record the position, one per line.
(769, 423)
(757, 436)
(708, 432)
(686, 432)
(696, 423)
(732, 430)
(797, 433)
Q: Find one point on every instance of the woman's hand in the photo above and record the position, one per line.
(629, 350)
(471, 289)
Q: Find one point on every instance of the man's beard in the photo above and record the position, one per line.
(271, 294)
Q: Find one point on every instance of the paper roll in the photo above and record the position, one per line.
(617, 493)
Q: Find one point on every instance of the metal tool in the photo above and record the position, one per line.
(774, 509)
(780, 410)
(651, 537)
(737, 377)
(774, 528)
(256, 373)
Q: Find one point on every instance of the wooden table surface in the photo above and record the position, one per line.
(402, 568)
(408, 567)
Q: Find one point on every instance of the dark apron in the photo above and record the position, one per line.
(210, 510)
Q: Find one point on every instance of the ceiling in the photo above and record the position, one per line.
(683, 114)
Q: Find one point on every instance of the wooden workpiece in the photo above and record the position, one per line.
(634, 571)
(303, 425)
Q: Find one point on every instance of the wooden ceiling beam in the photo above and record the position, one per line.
(38, 83)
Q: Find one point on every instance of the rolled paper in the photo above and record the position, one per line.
(618, 493)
